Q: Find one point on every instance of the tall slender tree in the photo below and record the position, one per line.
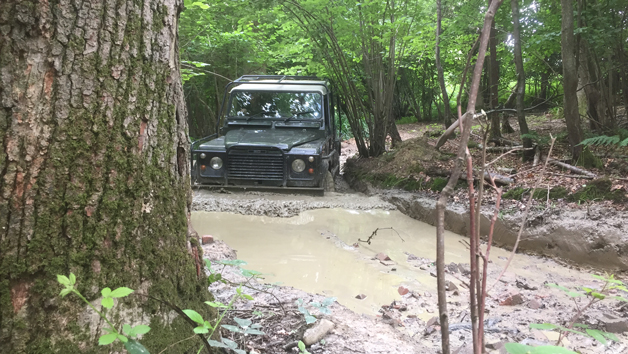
(570, 79)
(528, 154)
(94, 174)
(439, 66)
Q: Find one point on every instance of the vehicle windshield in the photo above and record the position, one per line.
(269, 104)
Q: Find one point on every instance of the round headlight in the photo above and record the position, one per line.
(311, 158)
(298, 165)
(216, 163)
(203, 155)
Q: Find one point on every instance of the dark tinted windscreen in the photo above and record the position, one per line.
(268, 104)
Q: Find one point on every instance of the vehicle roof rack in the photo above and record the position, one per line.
(279, 78)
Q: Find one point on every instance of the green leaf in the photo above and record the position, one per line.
(201, 330)
(135, 347)
(122, 338)
(107, 338)
(310, 319)
(107, 302)
(254, 331)
(610, 336)
(232, 262)
(121, 292)
(194, 316)
(231, 328)
(581, 325)
(598, 295)
(597, 335)
(65, 291)
(231, 344)
(543, 326)
(248, 297)
(250, 273)
(551, 349)
(302, 347)
(140, 329)
(106, 292)
(243, 322)
(72, 279)
(216, 304)
(127, 329)
(63, 279)
(217, 344)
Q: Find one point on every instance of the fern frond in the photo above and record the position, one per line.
(624, 142)
(601, 140)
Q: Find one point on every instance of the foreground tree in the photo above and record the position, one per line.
(94, 175)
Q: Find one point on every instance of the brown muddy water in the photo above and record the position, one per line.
(313, 252)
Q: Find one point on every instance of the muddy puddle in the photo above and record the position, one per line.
(314, 252)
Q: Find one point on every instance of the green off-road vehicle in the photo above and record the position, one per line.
(278, 132)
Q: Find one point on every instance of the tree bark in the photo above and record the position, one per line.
(94, 172)
(493, 82)
(528, 153)
(439, 66)
(570, 79)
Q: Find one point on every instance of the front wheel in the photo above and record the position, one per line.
(328, 182)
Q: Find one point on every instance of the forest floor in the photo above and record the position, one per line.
(414, 166)
(410, 325)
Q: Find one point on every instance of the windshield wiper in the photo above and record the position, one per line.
(294, 115)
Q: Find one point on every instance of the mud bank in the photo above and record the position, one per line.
(282, 205)
(595, 236)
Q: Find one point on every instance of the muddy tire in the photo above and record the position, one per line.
(328, 182)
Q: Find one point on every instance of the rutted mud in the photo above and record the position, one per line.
(318, 252)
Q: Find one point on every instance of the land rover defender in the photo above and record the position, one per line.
(278, 132)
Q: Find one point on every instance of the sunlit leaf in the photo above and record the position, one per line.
(597, 335)
(63, 279)
(194, 316)
(107, 338)
(135, 347)
(107, 302)
(121, 292)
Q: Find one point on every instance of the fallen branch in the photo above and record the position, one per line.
(573, 168)
(368, 240)
(569, 176)
(525, 214)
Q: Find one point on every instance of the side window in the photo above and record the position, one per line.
(329, 121)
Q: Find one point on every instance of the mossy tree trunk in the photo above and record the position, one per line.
(94, 174)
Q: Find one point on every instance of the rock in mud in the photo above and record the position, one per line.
(316, 333)
(512, 299)
(402, 290)
(360, 297)
(382, 257)
(207, 239)
(533, 304)
(614, 324)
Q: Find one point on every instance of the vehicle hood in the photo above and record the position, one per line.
(283, 139)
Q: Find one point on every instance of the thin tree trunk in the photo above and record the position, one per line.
(94, 172)
(439, 67)
(493, 82)
(570, 79)
(528, 153)
(441, 204)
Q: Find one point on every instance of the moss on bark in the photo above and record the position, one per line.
(92, 116)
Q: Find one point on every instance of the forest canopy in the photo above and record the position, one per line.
(382, 59)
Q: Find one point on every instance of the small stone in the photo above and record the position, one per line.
(453, 267)
(432, 321)
(429, 311)
(512, 299)
(387, 263)
(360, 297)
(495, 346)
(533, 304)
(382, 257)
(393, 270)
(426, 294)
(316, 333)
(356, 245)
(523, 284)
(433, 273)
(616, 325)
(402, 290)
(449, 286)
(207, 239)
(423, 267)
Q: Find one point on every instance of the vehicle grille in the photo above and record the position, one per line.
(255, 163)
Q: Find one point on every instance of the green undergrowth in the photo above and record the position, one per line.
(595, 190)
